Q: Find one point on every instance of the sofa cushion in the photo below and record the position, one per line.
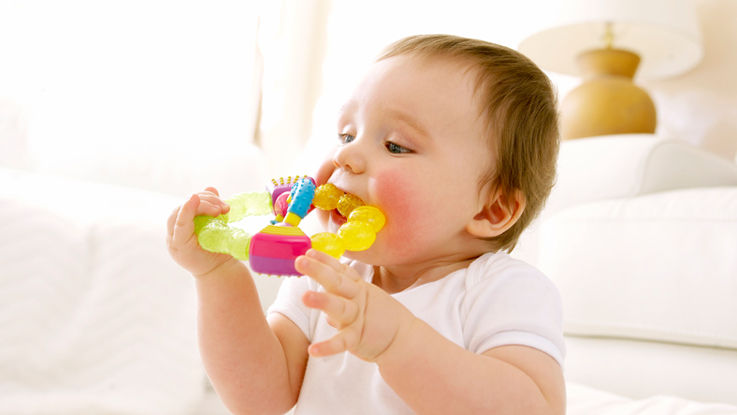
(617, 166)
(625, 165)
(661, 266)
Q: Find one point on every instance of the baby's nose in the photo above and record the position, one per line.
(350, 157)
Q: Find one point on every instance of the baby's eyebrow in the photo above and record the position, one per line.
(409, 120)
(346, 107)
(342, 112)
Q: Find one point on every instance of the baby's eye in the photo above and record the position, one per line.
(346, 138)
(396, 148)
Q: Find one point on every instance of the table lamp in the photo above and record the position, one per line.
(606, 41)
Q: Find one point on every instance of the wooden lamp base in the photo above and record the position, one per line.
(607, 102)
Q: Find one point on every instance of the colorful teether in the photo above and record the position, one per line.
(329, 243)
(215, 234)
(369, 214)
(347, 203)
(274, 249)
(326, 197)
(357, 234)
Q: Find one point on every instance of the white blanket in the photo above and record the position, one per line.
(94, 316)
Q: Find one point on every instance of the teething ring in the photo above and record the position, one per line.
(273, 249)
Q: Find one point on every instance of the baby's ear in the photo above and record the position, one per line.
(497, 213)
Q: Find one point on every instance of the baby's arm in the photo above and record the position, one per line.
(503, 380)
(255, 366)
(429, 372)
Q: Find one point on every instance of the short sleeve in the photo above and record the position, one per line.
(289, 303)
(512, 303)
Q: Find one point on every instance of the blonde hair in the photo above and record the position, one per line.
(519, 106)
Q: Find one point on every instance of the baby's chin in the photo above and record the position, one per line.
(367, 257)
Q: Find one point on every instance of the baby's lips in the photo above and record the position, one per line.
(337, 217)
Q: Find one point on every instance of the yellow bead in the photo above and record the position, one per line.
(368, 214)
(347, 203)
(326, 197)
(329, 243)
(356, 236)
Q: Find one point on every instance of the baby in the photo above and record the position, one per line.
(455, 140)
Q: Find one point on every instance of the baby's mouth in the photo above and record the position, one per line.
(337, 218)
(346, 203)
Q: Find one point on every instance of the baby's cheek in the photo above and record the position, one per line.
(402, 204)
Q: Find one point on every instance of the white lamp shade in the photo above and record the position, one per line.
(665, 33)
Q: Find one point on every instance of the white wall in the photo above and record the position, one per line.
(129, 92)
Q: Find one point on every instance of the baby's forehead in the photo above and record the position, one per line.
(455, 76)
(471, 72)
(480, 79)
(430, 93)
(419, 79)
(457, 64)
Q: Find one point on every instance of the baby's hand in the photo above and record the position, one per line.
(181, 239)
(368, 319)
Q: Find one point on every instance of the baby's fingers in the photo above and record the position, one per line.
(340, 311)
(345, 340)
(184, 223)
(211, 204)
(334, 277)
(211, 207)
(171, 221)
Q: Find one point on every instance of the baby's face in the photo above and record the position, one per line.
(411, 141)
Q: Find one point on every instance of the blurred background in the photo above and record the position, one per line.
(140, 92)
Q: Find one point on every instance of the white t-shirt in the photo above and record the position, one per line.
(496, 301)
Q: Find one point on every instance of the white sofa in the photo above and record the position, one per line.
(640, 234)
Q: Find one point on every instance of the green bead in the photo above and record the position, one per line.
(212, 236)
(247, 204)
(237, 244)
(216, 235)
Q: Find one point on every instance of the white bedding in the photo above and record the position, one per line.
(94, 316)
(583, 400)
(96, 319)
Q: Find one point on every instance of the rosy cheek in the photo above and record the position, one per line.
(400, 200)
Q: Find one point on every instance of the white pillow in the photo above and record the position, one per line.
(615, 166)
(659, 267)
